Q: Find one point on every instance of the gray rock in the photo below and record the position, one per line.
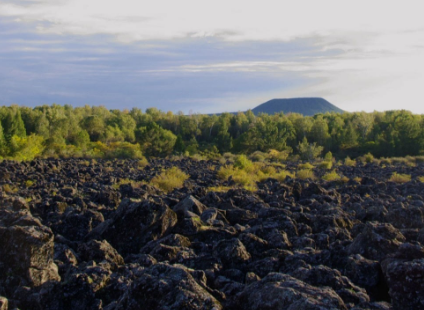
(376, 241)
(281, 291)
(167, 287)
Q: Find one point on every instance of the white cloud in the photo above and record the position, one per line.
(371, 51)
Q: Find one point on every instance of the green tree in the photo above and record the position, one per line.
(155, 141)
(309, 151)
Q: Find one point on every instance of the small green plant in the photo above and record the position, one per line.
(29, 183)
(304, 174)
(421, 179)
(400, 178)
(357, 179)
(9, 189)
(331, 176)
(169, 179)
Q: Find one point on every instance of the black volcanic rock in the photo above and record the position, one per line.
(290, 245)
(305, 106)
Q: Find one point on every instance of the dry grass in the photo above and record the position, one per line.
(219, 189)
(400, 178)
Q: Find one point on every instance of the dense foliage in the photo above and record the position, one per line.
(64, 131)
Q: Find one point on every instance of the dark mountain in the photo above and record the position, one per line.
(305, 106)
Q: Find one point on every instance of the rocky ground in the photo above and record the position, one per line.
(70, 238)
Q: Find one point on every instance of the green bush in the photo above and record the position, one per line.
(169, 179)
(349, 162)
(242, 162)
(306, 166)
(304, 174)
(331, 176)
(325, 165)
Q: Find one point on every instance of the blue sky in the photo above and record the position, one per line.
(203, 57)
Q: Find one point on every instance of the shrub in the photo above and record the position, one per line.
(281, 176)
(325, 165)
(419, 159)
(143, 162)
(386, 161)
(306, 166)
(349, 162)
(241, 177)
(328, 156)
(242, 162)
(275, 155)
(304, 174)
(399, 160)
(400, 178)
(169, 179)
(331, 176)
(258, 156)
(309, 151)
(369, 158)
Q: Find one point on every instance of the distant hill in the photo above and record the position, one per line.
(305, 106)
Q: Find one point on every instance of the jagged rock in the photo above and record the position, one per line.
(325, 276)
(167, 287)
(376, 241)
(308, 229)
(231, 252)
(99, 251)
(281, 291)
(26, 254)
(404, 273)
(75, 226)
(189, 204)
(135, 224)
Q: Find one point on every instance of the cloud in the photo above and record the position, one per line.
(207, 56)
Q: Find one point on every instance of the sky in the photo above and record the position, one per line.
(199, 56)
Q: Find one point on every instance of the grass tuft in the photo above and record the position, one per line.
(400, 178)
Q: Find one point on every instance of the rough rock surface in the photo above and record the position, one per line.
(79, 237)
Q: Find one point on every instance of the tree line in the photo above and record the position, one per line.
(65, 131)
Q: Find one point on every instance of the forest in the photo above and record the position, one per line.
(56, 131)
